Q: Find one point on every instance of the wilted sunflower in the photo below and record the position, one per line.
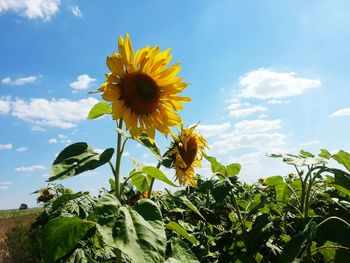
(45, 195)
(187, 150)
(143, 90)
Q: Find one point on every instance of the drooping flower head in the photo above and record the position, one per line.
(45, 195)
(187, 150)
(143, 90)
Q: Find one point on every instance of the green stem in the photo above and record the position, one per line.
(117, 161)
(152, 182)
(238, 212)
(118, 253)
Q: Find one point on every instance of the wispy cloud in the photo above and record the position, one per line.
(61, 139)
(26, 169)
(40, 112)
(31, 9)
(239, 109)
(341, 113)
(308, 143)
(5, 105)
(20, 81)
(76, 11)
(267, 84)
(7, 146)
(213, 129)
(5, 185)
(22, 149)
(82, 82)
(259, 135)
(52, 140)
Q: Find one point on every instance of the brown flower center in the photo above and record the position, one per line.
(140, 92)
(190, 155)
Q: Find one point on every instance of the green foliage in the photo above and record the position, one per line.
(99, 109)
(77, 158)
(302, 217)
(61, 235)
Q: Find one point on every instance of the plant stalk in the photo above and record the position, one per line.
(152, 182)
(117, 161)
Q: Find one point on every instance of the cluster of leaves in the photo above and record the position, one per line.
(302, 217)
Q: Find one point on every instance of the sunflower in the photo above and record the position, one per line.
(187, 151)
(45, 195)
(143, 90)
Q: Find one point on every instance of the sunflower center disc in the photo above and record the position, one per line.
(189, 156)
(140, 92)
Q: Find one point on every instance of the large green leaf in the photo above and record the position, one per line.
(216, 167)
(61, 235)
(181, 231)
(77, 158)
(65, 198)
(274, 180)
(283, 192)
(233, 169)
(341, 181)
(180, 252)
(325, 154)
(157, 174)
(191, 206)
(298, 244)
(99, 109)
(140, 181)
(140, 233)
(221, 189)
(343, 158)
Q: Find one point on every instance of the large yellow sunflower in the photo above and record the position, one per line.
(143, 90)
(187, 149)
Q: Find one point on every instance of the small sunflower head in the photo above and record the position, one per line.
(45, 195)
(187, 150)
(143, 89)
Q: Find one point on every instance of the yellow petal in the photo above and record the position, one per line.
(111, 93)
(115, 64)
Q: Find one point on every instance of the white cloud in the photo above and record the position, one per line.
(32, 9)
(22, 149)
(278, 102)
(338, 113)
(37, 128)
(5, 185)
(126, 154)
(82, 82)
(5, 105)
(62, 136)
(259, 135)
(6, 146)
(76, 11)
(30, 168)
(52, 141)
(60, 113)
(310, 143)
(267, 84)
(254, 126)
(239, 109)
(6, 80)
(247, 111)
(258, 141)
(213, 129)
(19, 81)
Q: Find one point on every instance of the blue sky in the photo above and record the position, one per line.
(265, 76)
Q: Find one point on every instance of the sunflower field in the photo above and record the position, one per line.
(300, 217)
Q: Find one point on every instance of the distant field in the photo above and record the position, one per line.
(4, 214)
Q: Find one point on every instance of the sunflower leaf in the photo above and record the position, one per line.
(99, 109)
(78, 158)
(157, 174)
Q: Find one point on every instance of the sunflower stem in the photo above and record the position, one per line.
(118, 253)
(117, 161)
(152, 182)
